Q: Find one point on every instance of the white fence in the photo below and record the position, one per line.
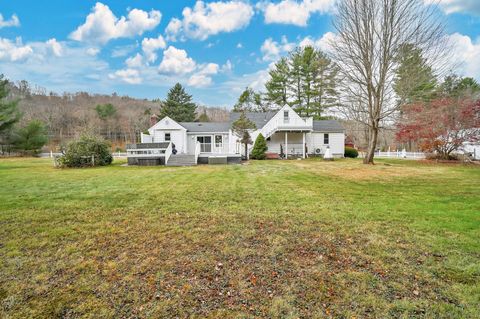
(114, 154)
(400, 154)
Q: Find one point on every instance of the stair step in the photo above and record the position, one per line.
(181, 160)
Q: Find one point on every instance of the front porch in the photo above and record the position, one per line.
(288, 143)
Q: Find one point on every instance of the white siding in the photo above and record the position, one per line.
(192, 139)
(336, 142)
(177, 137)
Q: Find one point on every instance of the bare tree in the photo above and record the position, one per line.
(370, 34)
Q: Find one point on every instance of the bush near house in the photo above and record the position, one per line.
(88, 150)
(351, 152)
(259, 148)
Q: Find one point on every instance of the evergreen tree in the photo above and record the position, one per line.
(259, 148)
(277, 86)
(9, 114)
(105, 111)
(325, 85)
(414, 79)
(241, 127)
(306, 80)
(30, 138)
(307, 73)
(178, 105)
(455, 86)
(249, 101)
(295, 84)
(203, 117)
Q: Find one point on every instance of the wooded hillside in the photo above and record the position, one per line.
(70, 114)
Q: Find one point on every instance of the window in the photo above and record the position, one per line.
(167, 137)
(326, 138)
(285, 117)
(205, 144)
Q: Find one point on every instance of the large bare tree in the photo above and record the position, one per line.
(370, 34)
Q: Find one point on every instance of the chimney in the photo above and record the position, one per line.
(153, 120)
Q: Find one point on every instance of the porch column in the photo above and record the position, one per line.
(303, 145)
(286, 145)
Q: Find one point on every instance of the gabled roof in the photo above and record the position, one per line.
(332, 126)
(259, 118)
(206, 126)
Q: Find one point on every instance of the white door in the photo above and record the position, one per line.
(218, 143)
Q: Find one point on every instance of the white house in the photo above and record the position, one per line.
(187, 143)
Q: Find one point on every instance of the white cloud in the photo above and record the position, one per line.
(129, 76)
(174, 27)
(14, 51)
(202, 78)
(466, 53)
(150, 46)
(227, 67)
(13, 22)
(93, 51)
(102, 25)
(199, 80)
(294, 12)
(323, 43)
(176, 61)
(55, 46)
(209, 68)
(453, 6)
(239, 45)
(135, 61)
(209, 19)
(272, 50)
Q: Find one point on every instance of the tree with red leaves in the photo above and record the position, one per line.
(442, 125)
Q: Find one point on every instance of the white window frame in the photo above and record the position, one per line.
(202, 145)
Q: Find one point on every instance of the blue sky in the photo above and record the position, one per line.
(215, 48)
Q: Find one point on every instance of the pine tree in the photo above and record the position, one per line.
(306, 81)
(249, 101)
(325, 84)
(9, 114)
(259, 148)
(277, 86)
(203, 117)
(308, 71)
(295, 84)
(178, 105)
(30, 138)
(414, 79)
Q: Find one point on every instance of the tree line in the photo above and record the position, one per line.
(119, 119)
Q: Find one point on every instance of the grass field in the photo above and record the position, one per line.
(272, 239)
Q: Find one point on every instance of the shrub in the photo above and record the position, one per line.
(259, 148)
(31, 138)
(79, 152)
(351, 152)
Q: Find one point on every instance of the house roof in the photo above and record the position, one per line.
(206, 126)
(332, 126)
(259, 118)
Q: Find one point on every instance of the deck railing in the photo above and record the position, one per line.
(197, 151)
(168, 152)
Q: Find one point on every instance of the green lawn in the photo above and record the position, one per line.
(271, 239)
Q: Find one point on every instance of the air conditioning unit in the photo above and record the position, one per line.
(318, 151)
